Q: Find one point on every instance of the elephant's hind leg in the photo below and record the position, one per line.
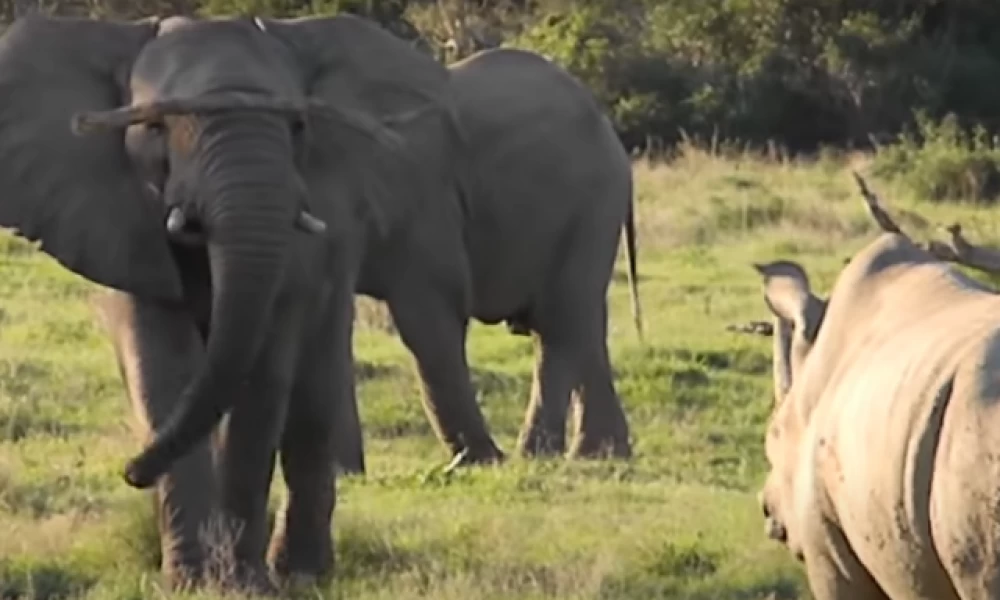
(302, 543)
(600, 426)
(568, 321)
(158, 351)
(556, 372)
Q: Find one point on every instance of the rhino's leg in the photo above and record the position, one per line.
(964, 496)
(833, 570)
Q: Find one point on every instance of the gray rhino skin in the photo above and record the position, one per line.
(884, 443)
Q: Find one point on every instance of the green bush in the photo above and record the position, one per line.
(943, 161)
(799, 73)
(804, 73)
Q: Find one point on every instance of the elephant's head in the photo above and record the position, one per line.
(189, 131)
(798, 316)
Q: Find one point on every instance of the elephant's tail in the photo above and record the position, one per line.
(633, 276)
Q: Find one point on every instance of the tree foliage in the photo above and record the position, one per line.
(802, 73)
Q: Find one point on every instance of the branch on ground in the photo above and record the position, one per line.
(956, 250)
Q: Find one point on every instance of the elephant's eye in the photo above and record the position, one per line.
(298, 127)
(147, 148)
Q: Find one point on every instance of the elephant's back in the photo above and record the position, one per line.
(530, 125)
(544, 164)
(519, 84)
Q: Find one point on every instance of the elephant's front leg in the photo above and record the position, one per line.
(249, 445)
(158, 351)
(434, 331)
(302, 544)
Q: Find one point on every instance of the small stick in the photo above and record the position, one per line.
(762, 328)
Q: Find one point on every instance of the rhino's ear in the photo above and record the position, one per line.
(788, 295)
(798, 315)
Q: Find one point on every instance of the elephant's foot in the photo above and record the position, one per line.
(227, 574)
(300, 583)
(351, 465)
(249, 577)
(350, 449)
(601, 446)
(242, 579)
(537, 442)
(490, 455)
(181, 576)
(302, 560)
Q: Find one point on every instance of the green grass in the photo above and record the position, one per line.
(679, 521)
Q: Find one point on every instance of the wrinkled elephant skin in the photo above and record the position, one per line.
(547, 190)
(222, 177)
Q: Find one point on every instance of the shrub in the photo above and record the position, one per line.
(801, 73)
(942, 161)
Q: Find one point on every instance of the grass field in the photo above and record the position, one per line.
(679, 521)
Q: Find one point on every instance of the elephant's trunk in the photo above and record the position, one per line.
(249, 215)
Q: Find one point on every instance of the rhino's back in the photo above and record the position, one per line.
(906, 373)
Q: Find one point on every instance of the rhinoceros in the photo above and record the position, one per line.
(884, 440)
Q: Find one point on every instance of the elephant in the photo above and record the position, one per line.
(883, 439)
(547, 189)
(223, 178)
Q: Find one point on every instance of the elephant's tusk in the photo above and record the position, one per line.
(310, 224)
(176, 221)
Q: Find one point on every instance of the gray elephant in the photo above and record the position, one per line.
(231, 175)
(547, 188)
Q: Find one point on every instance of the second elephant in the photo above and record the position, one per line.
(547, 190)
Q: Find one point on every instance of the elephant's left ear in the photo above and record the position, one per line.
(78, 195)
(391, 129)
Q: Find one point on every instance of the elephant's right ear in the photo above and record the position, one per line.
(404, 141)
(78, 195)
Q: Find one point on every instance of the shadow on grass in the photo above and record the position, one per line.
(365, 370)
(695, 573)
(662, 360)
(18, 423)
(42, 579)
(493, 383)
